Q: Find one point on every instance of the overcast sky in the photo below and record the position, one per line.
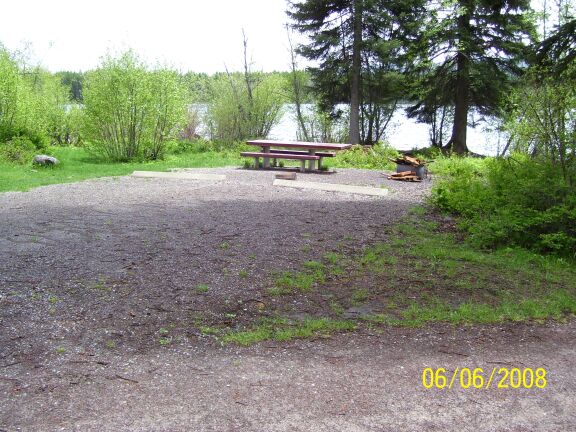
(197, 35)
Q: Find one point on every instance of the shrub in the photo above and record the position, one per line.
(369, 157)
(131, 110)
(516, 201)
(241, 108)
(28, 102)
(18, 150)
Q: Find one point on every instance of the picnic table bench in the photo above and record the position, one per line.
(302, 151)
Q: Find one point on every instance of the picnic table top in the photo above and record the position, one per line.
(299, 144)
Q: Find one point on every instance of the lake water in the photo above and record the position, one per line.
(406, 134)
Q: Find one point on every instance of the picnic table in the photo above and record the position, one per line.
(302, 151)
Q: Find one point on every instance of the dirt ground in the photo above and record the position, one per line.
(94, 275)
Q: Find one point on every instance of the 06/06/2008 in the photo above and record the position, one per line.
(502, 378)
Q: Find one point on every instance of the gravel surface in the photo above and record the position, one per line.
(94, 274)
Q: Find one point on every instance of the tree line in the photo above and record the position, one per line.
(446, 57)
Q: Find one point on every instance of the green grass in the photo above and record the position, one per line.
(445, 279)
(77, 164)
(201, 288)
(282, 330)
(556, 305)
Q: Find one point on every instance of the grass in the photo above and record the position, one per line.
(444, 279)
(77, 164)
(428, 273)
(281, 330)
(202, 288)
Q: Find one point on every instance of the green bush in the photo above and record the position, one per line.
(516, 201)
(131, 111)
(241, 108)
(29, 102)
(368, 157)
(18, 150)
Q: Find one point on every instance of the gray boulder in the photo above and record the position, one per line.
(45, 160)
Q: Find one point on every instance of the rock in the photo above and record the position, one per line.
(45, 160)
(286, 176)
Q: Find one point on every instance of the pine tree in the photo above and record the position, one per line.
(358, 44)
(471, 50)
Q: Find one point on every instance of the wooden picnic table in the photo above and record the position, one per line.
(307, 151)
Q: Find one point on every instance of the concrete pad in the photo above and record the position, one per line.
(178, 175)
(332, 187)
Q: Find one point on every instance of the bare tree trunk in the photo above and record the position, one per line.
(354, 137)
(457, 141)
(297, 90)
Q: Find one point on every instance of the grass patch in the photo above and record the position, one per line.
(202, 288)
(426, 273)
(281, 330)
(359, 296)
(435, 277)
(77, 164)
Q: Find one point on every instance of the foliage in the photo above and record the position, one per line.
(32, 103)
(467, 54)
(359, 45)
(517, 201)
(19, 149)
(74, 82)
(318, 126)
(243, 107)
(131, 109)
(543, 121)
(366, 157)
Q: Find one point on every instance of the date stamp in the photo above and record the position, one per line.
(478, 378)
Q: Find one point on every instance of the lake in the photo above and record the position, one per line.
(404, 133)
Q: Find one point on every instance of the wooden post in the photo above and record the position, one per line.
(311, 163)
(266, 163)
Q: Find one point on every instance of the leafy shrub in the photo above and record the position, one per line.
(132, 111)
(18, 150)
(28, 102)
(517, 201)
(241, 108)
(369, 157)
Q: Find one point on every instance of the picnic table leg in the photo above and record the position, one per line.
(311, 163)
(302, 165)
(266, 163)
(257, 162)
(320, 163)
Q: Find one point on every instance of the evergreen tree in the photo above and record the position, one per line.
(470, 51)
(359, 44)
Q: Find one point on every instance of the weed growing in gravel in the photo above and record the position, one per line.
(201, 288)
(60, 350)
(110, 344)
(359, 296)
(280, 329)
(337, 308)
(243, 274)
(426, 273)
(332, 258)
(165, 341)
(225, 246)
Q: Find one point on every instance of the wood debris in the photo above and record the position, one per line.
(409, 160)
(409, 169)
(405, 176)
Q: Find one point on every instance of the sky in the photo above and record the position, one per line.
(192, 35)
